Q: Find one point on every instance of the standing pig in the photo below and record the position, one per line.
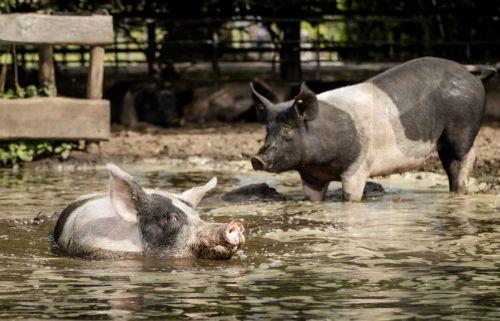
(388, 124)
(130, 219)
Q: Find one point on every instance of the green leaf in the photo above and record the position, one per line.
(28, 92)
(46, 90)
(25, 151)
(9, 94)
(31, 91)
(21, 93)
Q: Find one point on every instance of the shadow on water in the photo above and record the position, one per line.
(416, 252)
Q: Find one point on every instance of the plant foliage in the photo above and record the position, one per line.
(15, 152)
(26, 92)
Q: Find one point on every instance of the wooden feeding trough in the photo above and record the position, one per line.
(60, 118)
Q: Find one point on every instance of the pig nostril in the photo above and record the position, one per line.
(257, 163)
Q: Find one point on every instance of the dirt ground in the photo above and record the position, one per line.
(221, 141)
(224, 142)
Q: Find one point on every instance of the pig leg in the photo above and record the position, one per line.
(314, 190)
(457, 156)
(458, 170)
(466, 166)
(353, 186)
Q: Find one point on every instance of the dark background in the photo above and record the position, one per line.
(163, 33)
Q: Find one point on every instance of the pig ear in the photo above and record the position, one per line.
(125, 193)
(306, 103)
(262, 96)
(194, 195)
(264, 90)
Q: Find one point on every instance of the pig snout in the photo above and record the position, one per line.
(220, 241)
(234, 233)
(258, 163)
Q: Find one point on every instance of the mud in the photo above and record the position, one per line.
(253, 192)
(264, 193)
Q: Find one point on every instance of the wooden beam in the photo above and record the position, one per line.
(54, 118)
(46, 70)
(56, 30)
(96, 73)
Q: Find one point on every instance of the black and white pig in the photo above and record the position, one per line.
(388, 124)
(133, 220)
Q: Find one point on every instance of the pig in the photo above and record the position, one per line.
(387, 124)
(132, 220)
(133, 102)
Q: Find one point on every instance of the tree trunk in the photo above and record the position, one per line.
(290, 67)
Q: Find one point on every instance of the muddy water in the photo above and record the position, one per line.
(417, 252)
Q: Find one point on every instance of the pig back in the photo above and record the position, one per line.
(90, 225)
(430, 93)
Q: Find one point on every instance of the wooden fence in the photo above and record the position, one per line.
(57, 117)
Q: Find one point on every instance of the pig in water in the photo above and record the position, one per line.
(131, 220)
(388, 124)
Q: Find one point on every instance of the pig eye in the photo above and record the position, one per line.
(172, 217)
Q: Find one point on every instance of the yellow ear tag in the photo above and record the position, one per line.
(300, 101)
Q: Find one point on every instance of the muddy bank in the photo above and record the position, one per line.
(196, 143)
(216, 141)
(230, 145)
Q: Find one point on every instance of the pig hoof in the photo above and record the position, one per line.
(373, 190)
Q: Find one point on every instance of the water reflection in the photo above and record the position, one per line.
(417, 252)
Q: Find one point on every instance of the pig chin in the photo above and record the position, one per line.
(217, 252)
(269, 164)
(278, 166)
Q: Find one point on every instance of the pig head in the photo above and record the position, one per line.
(298, 139)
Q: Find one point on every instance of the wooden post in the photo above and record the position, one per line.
(290, 64)
(153, 70)
(94, 85)
(46, 70)
(16, 71)
(96, 73)
(93, 147)
(215, 59)
(3, 73)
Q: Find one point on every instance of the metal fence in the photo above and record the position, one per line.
(236, 41)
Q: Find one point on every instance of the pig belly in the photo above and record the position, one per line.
(392, 160)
